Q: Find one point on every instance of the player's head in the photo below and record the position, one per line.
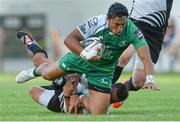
(117, 16)
(117, 10)
(119, 92)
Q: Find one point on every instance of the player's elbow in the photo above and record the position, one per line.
(124, 60)
(68, 40)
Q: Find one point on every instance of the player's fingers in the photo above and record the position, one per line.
(144, 87)
(153, 87)
(98, 49)
(156, 88)
(75, 109)
(70, 109)
(149, 87)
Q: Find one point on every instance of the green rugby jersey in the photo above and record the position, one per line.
(114, 45)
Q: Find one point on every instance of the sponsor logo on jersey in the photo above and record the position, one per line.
(98, 89)
(83, 28)
(104, 82)
(65, 67)
(139, 34)
(110, 33)
(101, 37)
(92, 22)
(123, 43)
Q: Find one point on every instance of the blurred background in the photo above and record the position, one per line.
(49, 21)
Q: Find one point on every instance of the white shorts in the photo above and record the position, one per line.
(46, 97)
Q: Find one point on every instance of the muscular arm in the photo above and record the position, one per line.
(72, 41)
(144, 55)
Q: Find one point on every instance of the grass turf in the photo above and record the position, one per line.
(144, 105)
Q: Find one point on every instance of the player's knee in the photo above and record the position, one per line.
(138, 83)
(46, 75)
(32, 90)
(35, 92)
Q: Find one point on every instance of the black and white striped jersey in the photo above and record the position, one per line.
(153, 12)
(61, 102)
(151, 17)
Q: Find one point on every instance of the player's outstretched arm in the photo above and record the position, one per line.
(144, 55)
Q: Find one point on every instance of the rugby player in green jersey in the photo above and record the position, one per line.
(66, 93)
(118, 32)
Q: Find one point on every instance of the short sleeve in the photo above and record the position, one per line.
(135, 35)
(89, 27)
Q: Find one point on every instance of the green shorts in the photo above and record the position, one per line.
(72, 63)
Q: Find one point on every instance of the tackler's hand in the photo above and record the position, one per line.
(150, 83)
(74, 104)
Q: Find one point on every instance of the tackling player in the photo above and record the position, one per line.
(151, 17)
(117, 32)
(61, 99)
(55, 96)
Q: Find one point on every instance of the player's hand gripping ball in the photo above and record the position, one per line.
(94, 43)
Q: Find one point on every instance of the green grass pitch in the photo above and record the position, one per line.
(144, 105)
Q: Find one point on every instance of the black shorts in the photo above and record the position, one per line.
(56, 103)
(154, 37)
(98, 88)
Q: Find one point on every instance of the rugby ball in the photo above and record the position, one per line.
(94, 43)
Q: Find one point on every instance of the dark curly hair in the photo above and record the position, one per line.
(121, 91)
(117, 10)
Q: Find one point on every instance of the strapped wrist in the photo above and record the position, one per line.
(74, 93)
(83, 54)
(88, 54)
(150, 79)
(66, 97)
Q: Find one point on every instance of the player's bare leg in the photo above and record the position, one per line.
(39, 57)
(35, 92)
(85, 101)
(99, 106)
(49, 71)
(42, 96)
